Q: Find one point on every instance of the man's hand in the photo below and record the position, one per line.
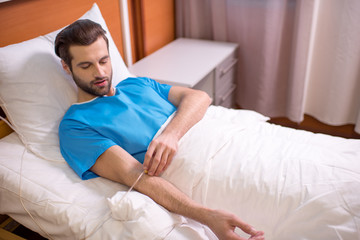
(223, 224)
(160, 153)
(191, 106)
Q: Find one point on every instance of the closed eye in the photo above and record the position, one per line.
(104, 60)
(84, 65)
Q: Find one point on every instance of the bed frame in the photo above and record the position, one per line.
(4, 129)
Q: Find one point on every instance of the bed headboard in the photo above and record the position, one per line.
(22, 20)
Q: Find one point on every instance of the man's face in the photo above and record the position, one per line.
(91, 67)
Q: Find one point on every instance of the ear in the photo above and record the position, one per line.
(66, 67)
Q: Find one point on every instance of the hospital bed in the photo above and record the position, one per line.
(292, 184)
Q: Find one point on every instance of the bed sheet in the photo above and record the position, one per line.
(69, 208)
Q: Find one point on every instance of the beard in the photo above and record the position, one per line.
(92, 87)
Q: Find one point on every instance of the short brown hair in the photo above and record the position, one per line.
(82, 33)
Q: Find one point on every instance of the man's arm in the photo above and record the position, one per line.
(191, 106)
(118, 165)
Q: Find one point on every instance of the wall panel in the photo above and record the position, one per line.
(152, 25)
(25, 19)
(159, 24)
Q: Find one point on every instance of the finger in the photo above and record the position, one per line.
(163, 162)
(155, 160)
(148, 156)
(259, 233)
(170, 151)
(257, 238)
(234, 236)
(247, 228)
(169, 159)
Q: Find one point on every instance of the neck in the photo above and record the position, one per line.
(83, 96)
(111, 92)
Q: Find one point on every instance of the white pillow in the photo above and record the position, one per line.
(35, 92)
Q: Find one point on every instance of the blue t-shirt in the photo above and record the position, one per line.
(129, 119)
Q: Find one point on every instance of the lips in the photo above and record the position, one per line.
(100, 83)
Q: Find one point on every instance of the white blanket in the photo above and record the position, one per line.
(291, 184)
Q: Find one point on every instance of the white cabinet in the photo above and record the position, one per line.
(194, 63)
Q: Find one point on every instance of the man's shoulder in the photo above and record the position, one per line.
(135, 81)
(71, 117)
(68, 121)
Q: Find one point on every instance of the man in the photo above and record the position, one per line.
(110, 131)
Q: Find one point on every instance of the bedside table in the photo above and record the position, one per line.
(199, 64)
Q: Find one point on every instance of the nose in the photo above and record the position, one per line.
(99, 71)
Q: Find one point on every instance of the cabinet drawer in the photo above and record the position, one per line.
(226, 64)
(225, 78)
(229, 102)
(225, 83)
(227, 98)
(225, 68)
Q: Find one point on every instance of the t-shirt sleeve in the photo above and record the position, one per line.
(162, 89)
(81, 146)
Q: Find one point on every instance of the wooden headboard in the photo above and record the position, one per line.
(22, 20)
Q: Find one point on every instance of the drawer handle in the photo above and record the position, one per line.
(224, 71)
(232, 89)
